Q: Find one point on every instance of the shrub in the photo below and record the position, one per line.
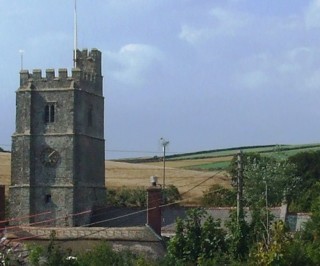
(218, 196)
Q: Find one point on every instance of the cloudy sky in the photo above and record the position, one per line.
(203, 74)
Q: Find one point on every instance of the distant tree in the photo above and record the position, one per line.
(267, 182)
(307, 165)
(247, 157)
(275, 179)
(171, 194)
(219, 196)
(127, 197)
(137, 197)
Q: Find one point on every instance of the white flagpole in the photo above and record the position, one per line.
(75, 37)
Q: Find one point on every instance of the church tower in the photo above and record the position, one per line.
(57, 169)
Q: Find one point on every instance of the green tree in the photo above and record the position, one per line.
(267, 182)
(218, 196)
(308, 168)
(238, 236)
(137, 197)
(273, 253)
(103, 255)
(52, 255)
(198, 238)
(171, 194)
(275, 179)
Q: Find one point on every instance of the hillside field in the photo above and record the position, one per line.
(131, 175)
(191, 173)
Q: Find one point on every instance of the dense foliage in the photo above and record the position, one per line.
(101, 255)
(196, 241)
(200, 240)
(137, 197)
(308, 168)
(219, 196)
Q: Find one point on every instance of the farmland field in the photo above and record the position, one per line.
(191, 173)
(119, 174)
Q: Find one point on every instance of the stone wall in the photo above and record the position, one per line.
(59, 116)
(137, 239)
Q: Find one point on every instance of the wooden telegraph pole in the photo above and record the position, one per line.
(239, 186)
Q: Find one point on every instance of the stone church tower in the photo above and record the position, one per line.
(57, 170)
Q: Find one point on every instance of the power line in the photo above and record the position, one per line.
(88, 211)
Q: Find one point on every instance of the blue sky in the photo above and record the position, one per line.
(202, 74)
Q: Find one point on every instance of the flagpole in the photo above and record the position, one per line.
(75, 37)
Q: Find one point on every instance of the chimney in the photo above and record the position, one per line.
(154, 210)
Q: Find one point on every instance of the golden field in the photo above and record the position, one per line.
(119, 174)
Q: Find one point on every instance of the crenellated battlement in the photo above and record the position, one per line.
(89, 61)
(86, 74)
(50, 74)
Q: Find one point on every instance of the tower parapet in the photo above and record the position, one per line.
(86, 75)
(89, 61)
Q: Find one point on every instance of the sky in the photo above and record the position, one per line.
(202, 74)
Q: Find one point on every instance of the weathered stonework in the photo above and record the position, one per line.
(141, 240)
(57, 167)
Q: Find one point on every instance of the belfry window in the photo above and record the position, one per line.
(90, 116)
(49, 113)
(47, 198)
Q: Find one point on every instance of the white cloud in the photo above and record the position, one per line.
(193, 35)
(288, 68)
(253, 79)
(49, 38)
(313, 81)
(219, 22)
(228, 22)
(295, 61)
(312, 16)
(130, 64)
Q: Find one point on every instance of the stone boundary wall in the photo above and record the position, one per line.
(139, 240)
(140, 234)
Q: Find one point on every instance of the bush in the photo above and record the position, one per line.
(104, 255)
(218, 196)
(171, 194)
(137, 197)
(127, 197)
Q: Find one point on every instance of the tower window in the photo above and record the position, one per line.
(47, 198)
(49, 113)
(90, 116)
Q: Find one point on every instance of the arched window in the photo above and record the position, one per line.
(52, 113)
(49, 113)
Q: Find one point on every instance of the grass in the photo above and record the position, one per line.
(223, 165)
(220, 159)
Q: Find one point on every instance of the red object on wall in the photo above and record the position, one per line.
(154, 210)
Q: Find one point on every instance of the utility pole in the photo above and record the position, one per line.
(267, 212)
(164, 144)
(239, 187)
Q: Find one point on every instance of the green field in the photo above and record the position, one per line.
(213, 160)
